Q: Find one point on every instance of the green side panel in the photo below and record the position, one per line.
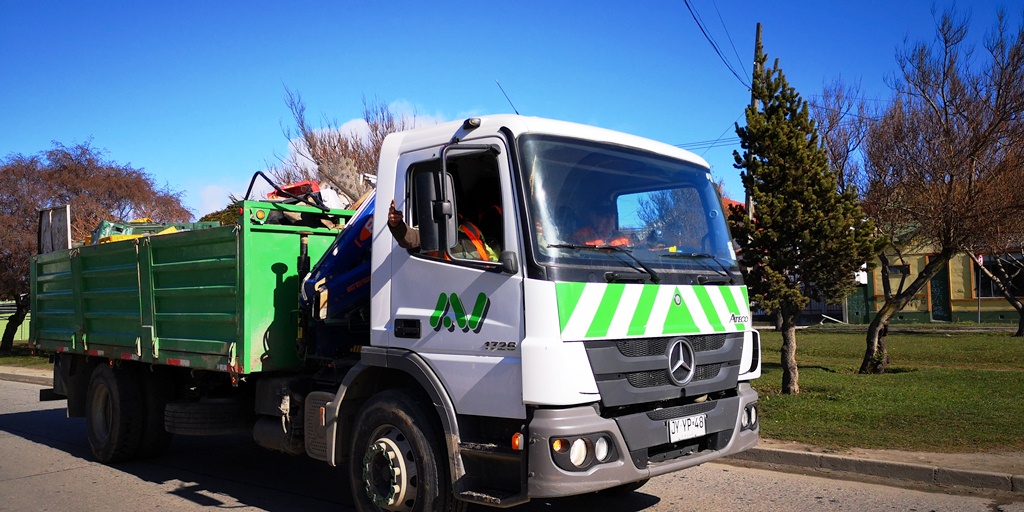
(270, 289)
(108, 281)
(53, 304)
(193, 295)
(207, 299)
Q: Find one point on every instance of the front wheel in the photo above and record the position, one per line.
(398, 461)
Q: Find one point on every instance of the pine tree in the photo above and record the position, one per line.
(806, 239)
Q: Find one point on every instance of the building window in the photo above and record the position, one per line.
(1013, 264)
(898, 270)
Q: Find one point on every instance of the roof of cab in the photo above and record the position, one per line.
(521, 125)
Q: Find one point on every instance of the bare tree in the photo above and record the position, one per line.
(343, 159)
(843, 117)
(944, 164)
(97, 189)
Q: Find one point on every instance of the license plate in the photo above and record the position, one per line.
(687, 427)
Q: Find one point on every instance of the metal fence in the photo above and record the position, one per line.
(6, 310)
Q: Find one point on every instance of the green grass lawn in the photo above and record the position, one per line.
(21, 355)
(946, 391)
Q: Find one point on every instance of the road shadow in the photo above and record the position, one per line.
(631, 502)
(208, 471)
(217, 471)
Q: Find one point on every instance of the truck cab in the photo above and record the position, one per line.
(572, 315)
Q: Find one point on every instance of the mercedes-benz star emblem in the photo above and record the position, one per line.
(681, 362)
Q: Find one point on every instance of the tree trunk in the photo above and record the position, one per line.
(14, 322)
(1002, 279)
(876, 357)
(790, 371)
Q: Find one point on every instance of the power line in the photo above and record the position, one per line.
(708, 144)
(719, 142)
(727, 35)
(714, 45)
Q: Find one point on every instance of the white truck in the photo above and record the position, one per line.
(519, 350)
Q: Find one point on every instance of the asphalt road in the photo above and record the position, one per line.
(45, 465)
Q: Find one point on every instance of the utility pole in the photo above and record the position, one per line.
(753, 104)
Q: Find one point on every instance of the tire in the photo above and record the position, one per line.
(620, 490)
(208, 417)
(398, 461)
(114, 414)
(157, 390)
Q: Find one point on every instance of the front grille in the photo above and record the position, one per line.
(682, 410)
(648, 379)
(660, 377)
(635, 371)
(644, 347)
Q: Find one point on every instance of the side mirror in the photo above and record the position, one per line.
(509, 262)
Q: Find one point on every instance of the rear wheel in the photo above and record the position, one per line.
(398, 461)
(114, 414)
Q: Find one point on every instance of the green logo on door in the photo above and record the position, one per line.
(450, 313)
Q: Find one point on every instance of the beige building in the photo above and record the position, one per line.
(951, 296)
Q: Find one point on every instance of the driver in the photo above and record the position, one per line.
(601, 230)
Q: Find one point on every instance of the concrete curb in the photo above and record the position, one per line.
(933, 475)
(27, 378)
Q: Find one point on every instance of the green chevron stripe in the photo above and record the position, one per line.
(568, 296)
(642, 313)
(605, 311)
(708, 308)
(730, 302)
(679, 318)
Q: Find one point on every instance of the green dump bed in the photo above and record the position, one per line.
(222, 299)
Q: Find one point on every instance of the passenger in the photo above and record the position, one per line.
(470, 244)
(601, 230)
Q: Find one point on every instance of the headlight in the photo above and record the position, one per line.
(578, 452)
(601, 449)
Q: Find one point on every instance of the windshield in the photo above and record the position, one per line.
(587, 198)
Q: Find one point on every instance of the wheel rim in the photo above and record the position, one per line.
(390, 471)
(102, 414)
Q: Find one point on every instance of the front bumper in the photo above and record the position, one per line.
(646, 454)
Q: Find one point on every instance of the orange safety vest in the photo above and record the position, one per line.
(476, 237)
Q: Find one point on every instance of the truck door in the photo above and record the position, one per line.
(452, 300)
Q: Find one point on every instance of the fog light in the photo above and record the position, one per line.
(753, 415)
(560, 445)
(745, 418)
(578, 452)
(601, 449)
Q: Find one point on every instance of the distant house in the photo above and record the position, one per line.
(951, 296)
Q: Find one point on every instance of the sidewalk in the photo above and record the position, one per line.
(992, 471)
(1002, 471)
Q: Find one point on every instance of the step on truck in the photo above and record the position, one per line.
(522, 308)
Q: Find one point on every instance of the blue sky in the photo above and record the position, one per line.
(193, 92)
